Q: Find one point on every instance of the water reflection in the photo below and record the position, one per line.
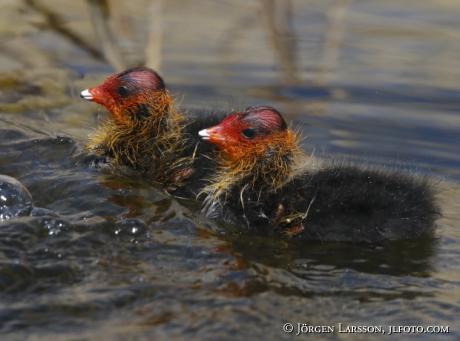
(362, 271)
(277, 17)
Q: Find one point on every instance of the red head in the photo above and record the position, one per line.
(255, 147)
(246, 132)
(126, 92)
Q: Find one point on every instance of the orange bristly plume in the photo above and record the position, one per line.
(264, 165)
(144, 134)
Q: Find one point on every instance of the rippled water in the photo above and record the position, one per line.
(102, 256)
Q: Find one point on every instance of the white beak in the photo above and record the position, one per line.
(86, 95)
(204, 134)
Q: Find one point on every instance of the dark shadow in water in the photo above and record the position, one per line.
(387, 271)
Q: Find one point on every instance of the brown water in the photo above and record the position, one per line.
(119, 260)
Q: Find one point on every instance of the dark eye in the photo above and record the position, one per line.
(123, 90)
(249, 133)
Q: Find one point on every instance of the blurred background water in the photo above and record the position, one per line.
(100, 256)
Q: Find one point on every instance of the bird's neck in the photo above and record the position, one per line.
(141, 135)
(262, 168)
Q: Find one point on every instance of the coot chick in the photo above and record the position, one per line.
(261, 183)
(149, 134)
